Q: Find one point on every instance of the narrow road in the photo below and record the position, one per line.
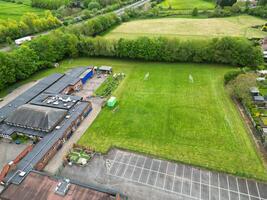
(119, 12)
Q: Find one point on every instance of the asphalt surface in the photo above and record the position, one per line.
(143, 177)
(119, 12)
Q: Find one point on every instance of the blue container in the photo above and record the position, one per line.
(87, 76)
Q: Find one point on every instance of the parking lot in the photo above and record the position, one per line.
(139, 176)
(9, 151)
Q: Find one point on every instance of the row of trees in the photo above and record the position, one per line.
(36, 55)
(228, 50)
(50, 4)
(29, 24)
(44, 51)
(94, 26)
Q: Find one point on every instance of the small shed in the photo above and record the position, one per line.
(111, 102)
(254, 91)
(86, 75)
(105, 69)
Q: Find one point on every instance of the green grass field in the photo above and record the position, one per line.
(188, 4)
(15, 11)
(170, 117)
(187, 28)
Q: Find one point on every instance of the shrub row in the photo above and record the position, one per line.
(49, 4)
(227, 50)
(95, 25)
(29, 24)
(44, 51)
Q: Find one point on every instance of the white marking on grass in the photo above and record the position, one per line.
(146, 76)
(191, 79)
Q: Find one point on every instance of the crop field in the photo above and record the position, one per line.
(174, 111)
(188, 28)
(188, 4)
(15, 11)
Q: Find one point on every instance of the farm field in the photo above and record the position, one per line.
(188, 4)
(188, 28)
(171, 117)
(15, 11)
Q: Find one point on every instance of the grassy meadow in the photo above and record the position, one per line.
(14, 11)
(188, 4)
(188, 28)
(172, 117)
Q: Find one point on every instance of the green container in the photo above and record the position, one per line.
(111, 102)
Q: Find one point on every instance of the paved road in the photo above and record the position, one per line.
(119, 12)
(143, 177)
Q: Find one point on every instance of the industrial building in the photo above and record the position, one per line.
(48, 112)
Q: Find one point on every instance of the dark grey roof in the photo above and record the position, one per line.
(56, 100)
(70, 78)
(77, 72)
(258, 98)
(28, 95)
(39, 151)
(36, 117)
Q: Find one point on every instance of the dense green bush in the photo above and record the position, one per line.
(231, 75)
(259, 11)
(50, 4)
(95, 26)
(29, 24)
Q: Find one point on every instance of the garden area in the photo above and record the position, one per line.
(191, 28)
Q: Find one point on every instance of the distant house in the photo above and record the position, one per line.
(254, 91)
(20, 41)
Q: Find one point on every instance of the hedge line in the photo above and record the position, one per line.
(227, 50)
(94, 26)
(46, 50)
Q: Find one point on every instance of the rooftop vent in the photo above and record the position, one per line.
(62, 187)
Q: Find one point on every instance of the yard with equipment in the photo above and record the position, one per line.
(189, 28)
(179, 112)
(15, 10)
(188, 4)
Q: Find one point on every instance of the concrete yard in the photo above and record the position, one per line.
(140, 177)
(9, 151)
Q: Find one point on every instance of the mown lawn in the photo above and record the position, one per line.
(188, 4)
(15, 11)
(188, 28)
(170, 117)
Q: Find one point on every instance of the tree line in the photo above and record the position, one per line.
(94, 26)
(30, 23)
(44, 51)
